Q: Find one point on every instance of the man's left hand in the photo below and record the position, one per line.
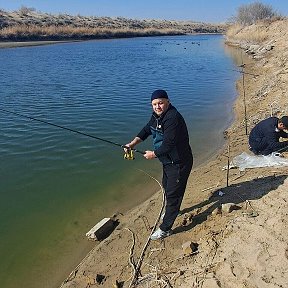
(149, 155)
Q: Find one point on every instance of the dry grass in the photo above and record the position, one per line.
(233, 30)
(26, 25)
(33, 32)
(256, 34)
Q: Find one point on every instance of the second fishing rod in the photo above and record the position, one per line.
(128, 155)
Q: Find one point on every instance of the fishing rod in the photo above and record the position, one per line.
(128, 155)
(283, 149)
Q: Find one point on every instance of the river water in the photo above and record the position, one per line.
(54, 184)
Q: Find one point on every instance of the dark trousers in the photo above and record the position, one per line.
(174, 182)
(261, 146)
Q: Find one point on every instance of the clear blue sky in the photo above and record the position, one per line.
(203, 10)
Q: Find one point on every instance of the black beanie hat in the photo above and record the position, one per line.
(159, 94)
(284, 120)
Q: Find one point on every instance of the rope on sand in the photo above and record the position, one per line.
(139, 263)
(131, 259)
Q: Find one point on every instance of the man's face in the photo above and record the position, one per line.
(281, 126)
(160, 105)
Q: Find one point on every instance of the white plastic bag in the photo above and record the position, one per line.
(245, 160)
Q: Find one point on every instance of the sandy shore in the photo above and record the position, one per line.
(244, 248)
(31, 43)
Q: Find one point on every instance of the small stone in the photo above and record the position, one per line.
(229, 207)
(102, 229)
(189, 247)
(269, 47)
(100, 279)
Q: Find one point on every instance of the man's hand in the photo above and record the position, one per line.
(128, 145)
(133, 143)
(149, 155)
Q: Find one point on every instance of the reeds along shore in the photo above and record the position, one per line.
(34, 33)
(29, 25)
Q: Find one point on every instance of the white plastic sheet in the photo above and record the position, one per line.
(245, 160)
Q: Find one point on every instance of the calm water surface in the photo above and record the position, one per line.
(56, 185)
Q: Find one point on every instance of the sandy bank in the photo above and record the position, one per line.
(31, 43)
(244, 248)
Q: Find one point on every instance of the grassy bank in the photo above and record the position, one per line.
(256, 33)
(29, 25)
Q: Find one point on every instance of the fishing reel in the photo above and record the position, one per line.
(129, 155)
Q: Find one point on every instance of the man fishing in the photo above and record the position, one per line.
(264, 137)
(171, 147)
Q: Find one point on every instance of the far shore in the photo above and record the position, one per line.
(15, 44)
(28, 27)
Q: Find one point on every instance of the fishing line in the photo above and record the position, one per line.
(71, 130)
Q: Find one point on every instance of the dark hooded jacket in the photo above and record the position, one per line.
(264, 137)
(170, 137)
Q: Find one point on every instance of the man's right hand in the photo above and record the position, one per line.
(129, 146)
(133, 143)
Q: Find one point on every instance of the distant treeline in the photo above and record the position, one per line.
(26, 24)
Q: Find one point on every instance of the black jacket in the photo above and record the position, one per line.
(264, 137)
(170, 136)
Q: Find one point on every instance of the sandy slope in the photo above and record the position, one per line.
(244, 248)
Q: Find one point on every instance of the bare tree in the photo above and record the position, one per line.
(26, 10)
(250, 13)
